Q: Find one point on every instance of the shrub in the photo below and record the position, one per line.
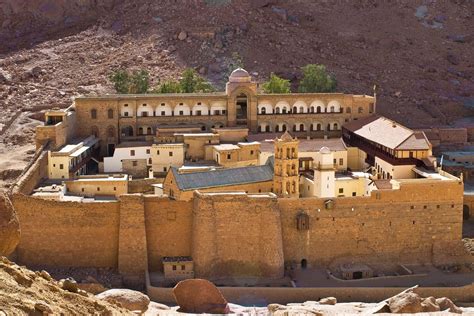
(168, 86)
(316, 79)
(276, 85)
(136, 82)
(191, 82)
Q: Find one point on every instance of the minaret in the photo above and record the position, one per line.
(324, 174)
(286, 176)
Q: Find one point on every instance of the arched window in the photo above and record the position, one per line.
(277, 110)
(361, 110)
(93, 114)
(295, 109)
(295, 127)
(110, 113)
(148, 131)
(283, 110)
(311, 109)
(302, 128)
(127, 131)
(140, 131)
(283, 128)
(331, 109)
(203, 127)
(267, 128)
(335, 126)
(301, 109)
(318, 127)
(259, 128)
(318, 109)
(263, 110)
(277, 128)
(348, 110)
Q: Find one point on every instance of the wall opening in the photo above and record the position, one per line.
(241, 105)
(465, 212)
(357, 275)
(304, 264)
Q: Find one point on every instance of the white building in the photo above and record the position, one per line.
(127, 152)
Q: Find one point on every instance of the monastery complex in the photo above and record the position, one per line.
(234, 184)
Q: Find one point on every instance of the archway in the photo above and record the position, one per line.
(241, 105)
(304, 264)
(126, 131)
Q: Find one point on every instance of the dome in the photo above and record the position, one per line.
(239, 75)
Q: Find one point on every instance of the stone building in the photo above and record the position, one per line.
(117, 118)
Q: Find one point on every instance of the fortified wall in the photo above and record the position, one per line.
(238, 234)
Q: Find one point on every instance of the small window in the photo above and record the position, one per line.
(170, 154)
(181, 112)
(148, 151)
(54, 165)
(198, 113)
(110, 113)
(174, 267)
(134, 163)
(341, 190)
(452, 205)
(98, 188)
(183, 267)
(115, 188)
(61, 166)
(144, 104)
(157, 152)
(228, 156)
(341, 161)
(93, 113)
(199, 103)
(181, 104)
(125, 113)
(438, 206)
(251, 152)
(149, 161)
(163, 113)
(82, 189)
(164, 169)
(412, 207)
(132, 152)
(424, 207)
(354, 193)
(162, 104)
(144, 114)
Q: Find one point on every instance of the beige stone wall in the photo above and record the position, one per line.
(375, 229)
(223, 246)
(168, 229)
(72, 234)
(96, 188)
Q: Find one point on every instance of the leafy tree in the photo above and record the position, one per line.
(120, 79)
(276, 85)
(168, 86)
(316, 79)
(191, 82)
(136, 82)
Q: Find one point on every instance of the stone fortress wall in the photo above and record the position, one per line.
(134, 233)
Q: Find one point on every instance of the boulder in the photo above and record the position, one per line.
(132, 300)
(328, 301)
(182, 35)
(429, 305)
(445, 304)
(69, 284)
(406, 303)
(199, 296)
(9, 226)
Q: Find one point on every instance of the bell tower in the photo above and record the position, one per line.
(286, 175)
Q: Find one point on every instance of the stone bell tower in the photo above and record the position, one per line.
(286, 175)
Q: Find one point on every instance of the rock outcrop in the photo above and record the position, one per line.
(9, 226)
(199, 296)
(24, 292)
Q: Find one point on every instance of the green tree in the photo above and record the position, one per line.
(316, 79)
(125, 83)
(120, 79)
(191, 82)
(168, 86)
(276, 85)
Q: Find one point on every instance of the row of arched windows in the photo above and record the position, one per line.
(301, 127)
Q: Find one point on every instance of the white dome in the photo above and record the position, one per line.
(239, 75)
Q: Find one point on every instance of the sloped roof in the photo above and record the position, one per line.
(388, 133)
(222, 177)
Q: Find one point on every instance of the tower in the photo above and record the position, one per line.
(286, 176)
(324, 174)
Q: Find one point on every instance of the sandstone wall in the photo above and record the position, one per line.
(67, 233)
(394, 225)
(168, 229)
(236, 235)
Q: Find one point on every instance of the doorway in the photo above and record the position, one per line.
(356, 275)
(304, 264)
(241, 105)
